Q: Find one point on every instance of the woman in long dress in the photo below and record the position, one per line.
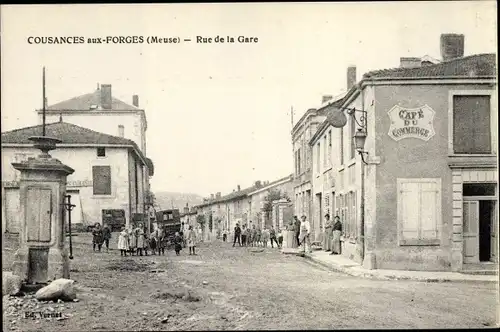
(327, 241)
(337, 231)
(123, 242)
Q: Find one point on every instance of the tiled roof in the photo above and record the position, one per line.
(478, 65)
(69, 134)
(86, 101)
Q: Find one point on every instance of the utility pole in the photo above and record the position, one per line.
(43, 102)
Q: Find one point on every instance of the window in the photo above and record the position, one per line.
(329, 154)
(471, 124)
(101, 152)
(419, 211)
(352, 132)
(341, 148)
(325, 153)
(101, 177)
(318, 165)
(298, 161)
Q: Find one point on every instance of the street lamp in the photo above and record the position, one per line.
(359, 143)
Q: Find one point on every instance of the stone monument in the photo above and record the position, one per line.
(42, 256)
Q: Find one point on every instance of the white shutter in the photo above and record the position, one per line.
(429, 210)
(409, 210)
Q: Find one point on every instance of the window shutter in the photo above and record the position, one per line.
(429, 196)
(101, 176)
(409, 214)
(471, 124)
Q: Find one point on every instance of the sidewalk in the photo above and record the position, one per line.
(347, 266)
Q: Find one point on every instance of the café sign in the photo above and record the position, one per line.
(411, 123)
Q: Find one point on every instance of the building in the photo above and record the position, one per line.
(102, 112)
(430, 179)
(188, 216)
(108, 177)
(246, 206)
(302, 132)
(271, 203)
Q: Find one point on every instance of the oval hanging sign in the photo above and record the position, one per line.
(411, 123)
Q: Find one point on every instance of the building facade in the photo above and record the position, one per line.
(302, 132)
(430, 179)
(101, 112)
(108, 177)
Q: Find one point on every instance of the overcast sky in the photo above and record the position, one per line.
(219, 114)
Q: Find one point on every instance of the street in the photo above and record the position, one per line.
(235, 288)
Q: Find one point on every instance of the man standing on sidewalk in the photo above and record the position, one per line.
(305, 229)
(237, 235)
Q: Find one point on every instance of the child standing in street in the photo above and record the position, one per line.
(132, 241)
(191, 240)
(162, 243)
(280, 238)
(123, 242)
(177, 243)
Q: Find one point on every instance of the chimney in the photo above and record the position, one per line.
(135, 100)
(410, 62)
(121, 131)
(452, 46)
(351, 76)
(106, 96)
(326, 98)
(239, 188)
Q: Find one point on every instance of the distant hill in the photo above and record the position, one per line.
(166, 200)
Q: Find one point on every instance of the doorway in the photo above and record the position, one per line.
(480, 223)
(486, 231)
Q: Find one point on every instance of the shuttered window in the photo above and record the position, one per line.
(419, 211)
(471, 124)
(101, 176)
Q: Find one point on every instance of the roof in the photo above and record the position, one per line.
(272, 184)
(69, 134)
(478, 65)
(86, 101)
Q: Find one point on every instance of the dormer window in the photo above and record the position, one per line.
(101, 152)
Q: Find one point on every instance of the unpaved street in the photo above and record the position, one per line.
(234, 288)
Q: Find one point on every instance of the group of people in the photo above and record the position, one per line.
(100, 236)
(331, 240)
(138, 242)
(255, 236)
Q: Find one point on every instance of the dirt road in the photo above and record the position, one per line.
(234, 288)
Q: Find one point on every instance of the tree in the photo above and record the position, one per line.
(200, 219)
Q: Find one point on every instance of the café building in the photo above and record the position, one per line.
(421, 190)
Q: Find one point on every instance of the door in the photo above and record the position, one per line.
(493, 234)
(471, 231)
(12, 210)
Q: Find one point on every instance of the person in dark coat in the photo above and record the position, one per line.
(296, 224)
(337, 232)
(272, 236)
(237, 235)
(97, 237)
(177, 243)
(106, 234)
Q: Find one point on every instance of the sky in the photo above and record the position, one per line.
(219, 114)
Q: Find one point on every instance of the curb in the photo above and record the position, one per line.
(368, 275)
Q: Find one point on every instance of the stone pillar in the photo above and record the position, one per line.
(42, 255)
